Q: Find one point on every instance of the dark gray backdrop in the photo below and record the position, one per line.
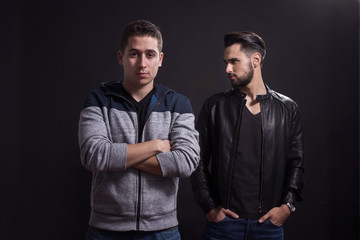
(54, 52)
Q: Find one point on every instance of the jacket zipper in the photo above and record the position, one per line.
(261, 161)
(234, 153)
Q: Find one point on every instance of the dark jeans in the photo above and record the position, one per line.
(242, 229)
(100, 234)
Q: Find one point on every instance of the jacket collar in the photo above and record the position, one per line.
(258, 97)
(264, 96)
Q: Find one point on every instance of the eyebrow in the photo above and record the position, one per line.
(137, 50)
(231, 60)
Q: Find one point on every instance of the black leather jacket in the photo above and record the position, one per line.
(282, 150)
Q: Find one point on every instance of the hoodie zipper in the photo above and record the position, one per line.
(157, 104)
(139, 171)
(140, 138)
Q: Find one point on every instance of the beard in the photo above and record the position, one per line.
(243, 80)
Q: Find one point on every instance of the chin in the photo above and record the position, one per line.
(145, 81)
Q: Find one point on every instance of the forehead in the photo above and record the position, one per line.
(234, 51)
(142, 43)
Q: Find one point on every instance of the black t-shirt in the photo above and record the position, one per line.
(245, 192)
(141, 109)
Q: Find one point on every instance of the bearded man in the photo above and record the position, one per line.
(251, 161)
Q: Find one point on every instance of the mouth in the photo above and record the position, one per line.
(142, 74)
(231, 76)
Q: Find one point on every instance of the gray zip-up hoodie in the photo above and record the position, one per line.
(129, 199)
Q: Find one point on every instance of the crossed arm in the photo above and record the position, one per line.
(142, 155)
(100, 152)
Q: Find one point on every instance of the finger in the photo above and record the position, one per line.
(264, 218)
(276, 223)
(230, 213)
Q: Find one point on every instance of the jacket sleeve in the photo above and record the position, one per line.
(294, 182)
(200, 179)
(183, 158)
(97, 150)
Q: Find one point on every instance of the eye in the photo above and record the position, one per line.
(232, 61)
(151, 55)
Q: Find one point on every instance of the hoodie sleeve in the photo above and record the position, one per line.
(183, 158)
(97, 150)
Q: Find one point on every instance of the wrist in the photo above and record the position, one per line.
(157, 148)
(290, 206)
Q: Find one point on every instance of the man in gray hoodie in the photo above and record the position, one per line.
(137, 138)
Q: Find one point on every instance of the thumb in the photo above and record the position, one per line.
(264, 218)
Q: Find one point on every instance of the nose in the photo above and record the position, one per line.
(142, 61)
(228, 68)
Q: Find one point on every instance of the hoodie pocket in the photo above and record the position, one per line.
(115, 193)
(159, 195)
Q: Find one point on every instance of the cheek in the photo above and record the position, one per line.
(154, 65)
(244, 69)
(128, 63)
(236, 69)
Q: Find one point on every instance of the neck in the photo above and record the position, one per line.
(138, 93)
(255, 87)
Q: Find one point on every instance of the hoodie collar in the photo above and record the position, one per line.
(115, 88)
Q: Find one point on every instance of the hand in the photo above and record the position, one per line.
(219, 213)
(277, 215)
(162, 145)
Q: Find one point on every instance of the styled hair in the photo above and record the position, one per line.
(141, 28)
(250, 42)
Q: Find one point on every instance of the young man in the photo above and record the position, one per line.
(137, 138)
(251, 163)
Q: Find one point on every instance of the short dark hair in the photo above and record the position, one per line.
(250, 42)
(141, 28)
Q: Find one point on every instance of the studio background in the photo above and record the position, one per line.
(54, 52)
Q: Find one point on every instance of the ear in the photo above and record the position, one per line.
(161, 59)
(256, 59)
(120, 56)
